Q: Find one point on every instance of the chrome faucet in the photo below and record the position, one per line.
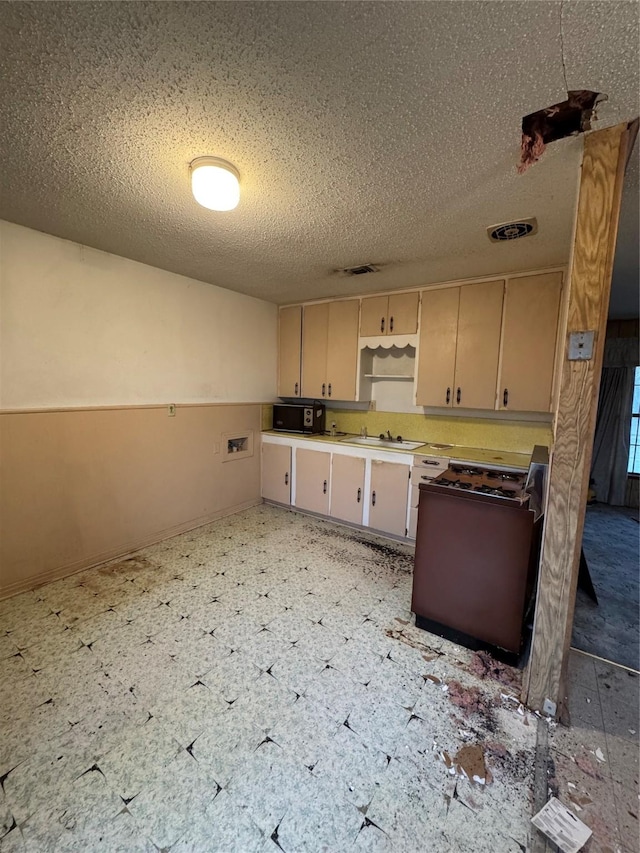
(389, 436)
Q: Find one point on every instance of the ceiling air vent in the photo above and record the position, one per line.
(361, 270)
(512, 230)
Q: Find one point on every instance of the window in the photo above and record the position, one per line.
(634, 443)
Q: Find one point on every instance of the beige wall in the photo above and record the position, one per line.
(105, 337)
(79, 486)
(79, 327)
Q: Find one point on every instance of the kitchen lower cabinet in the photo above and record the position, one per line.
(388, 497)
(289, 350)
(530, 328)
(313, 475)
(276, 472)
(347, 488)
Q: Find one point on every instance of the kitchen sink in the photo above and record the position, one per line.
(383, 442)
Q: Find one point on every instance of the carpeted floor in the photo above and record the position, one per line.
(610, 629)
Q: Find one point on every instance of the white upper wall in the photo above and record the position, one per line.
(79, 327)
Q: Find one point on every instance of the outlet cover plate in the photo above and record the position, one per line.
(581, 345)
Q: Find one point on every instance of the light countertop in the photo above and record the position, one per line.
(455, 452)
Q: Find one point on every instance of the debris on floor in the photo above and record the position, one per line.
(561, 826)
(469, 699)
(484, 666)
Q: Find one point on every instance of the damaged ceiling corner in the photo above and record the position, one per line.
(558, 121)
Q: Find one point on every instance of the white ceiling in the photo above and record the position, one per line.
(364, 132)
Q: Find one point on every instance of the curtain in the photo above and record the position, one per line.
(611, 443)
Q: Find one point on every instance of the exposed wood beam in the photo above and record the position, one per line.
(603, 164)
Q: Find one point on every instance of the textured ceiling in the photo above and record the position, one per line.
(364, 132)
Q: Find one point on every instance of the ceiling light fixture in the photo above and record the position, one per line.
(215, 184)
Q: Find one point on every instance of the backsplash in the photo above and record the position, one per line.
(514, 436)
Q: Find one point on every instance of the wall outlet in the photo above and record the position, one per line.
(171, 410)
(549, 708)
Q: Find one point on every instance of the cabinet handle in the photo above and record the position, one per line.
(429, 462)
(458, 396)
(448, 396)
(391, 324)
(324, 386)
(324, 488)
(382, 324)
(329, 389)
(286, 479)
(295, 389)
(359, 495)
(505, 397)
(373, 498)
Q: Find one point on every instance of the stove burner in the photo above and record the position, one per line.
(469, 472)
(455, 484)
(504, 475)
(495, 490)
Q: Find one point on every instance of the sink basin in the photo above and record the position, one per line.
(383, 443)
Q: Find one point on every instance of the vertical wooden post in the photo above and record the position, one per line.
(590, 284)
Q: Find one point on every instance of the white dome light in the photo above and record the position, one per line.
(215, 184)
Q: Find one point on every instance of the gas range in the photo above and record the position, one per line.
(483, 483)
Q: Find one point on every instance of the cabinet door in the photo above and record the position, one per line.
(437, 355)
(529, 342)
(289, 343)
(313, 471)
(403, 314)
(276, 472)
(314, 350)
(389, 497)
(342, 349)
(373, 316)
(347, 488)
(478, 345)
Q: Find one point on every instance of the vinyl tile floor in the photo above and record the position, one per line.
(253, 685)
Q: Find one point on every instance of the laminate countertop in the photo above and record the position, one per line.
(459, 453)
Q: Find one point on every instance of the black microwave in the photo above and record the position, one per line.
(299, 418)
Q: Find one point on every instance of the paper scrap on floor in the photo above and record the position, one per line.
(561, 826)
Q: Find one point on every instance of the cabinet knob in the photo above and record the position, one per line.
(391, 324)
(505, 397)
(382, 324)
(324, 387)
(373, 498)
(448, 396)
(286, 479)
(329, 389)
(324, 488)
(458, 396)
(295, 389)
(359, 495)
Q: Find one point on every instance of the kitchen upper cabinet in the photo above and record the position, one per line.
(478, 345)
(313, 473)
(276, 473)
(289, 349)
(437, 354)
(459, 346)
(347, 488)
(315, 330)
(330, 350)
(389, 315)
(530, 328)
(389, 497)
